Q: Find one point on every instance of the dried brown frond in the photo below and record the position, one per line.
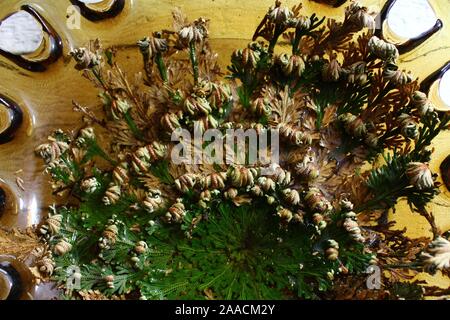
(18, 243)
(179, 19)
(285, 109)
(355, 288)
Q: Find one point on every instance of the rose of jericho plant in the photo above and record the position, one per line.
(139, 225)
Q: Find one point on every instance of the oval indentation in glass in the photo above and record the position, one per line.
(46, 51)
(20, 33)
(95, 10)
(410, 18)
(11, 118)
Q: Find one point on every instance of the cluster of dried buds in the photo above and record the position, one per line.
(153, 201)
(62, 247)
(261, 107)
(420, 176)
(109, 235)
(248, 58)
(150, 46)
(50, 230)
(308, 170)
(205, 103)
(176, 212)
(291, 65)
(238, 182)
(332, 250)
(422, 103)
(142, 159)
(195, 32)
(408, 126)
(52, 224)
(294, 135)
(279, 14)
(109, 279)
(360, 16)
(59, 152)
(44, 261)
(388, 53)
(85, 58)
(356, 127)
(350, 223)
(52, 151)
(201, 109)
(437, 255)
(112, 195)
(242, 184)
(357, 17)
(90, 185)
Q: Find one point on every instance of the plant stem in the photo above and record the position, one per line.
(194, 62)
(99, 78)
(412, 265)
(130, 92)
(278, 32)
(374, 203)
(390, 133)
(133, 127)
(381, 95)
(99, 151)
(430, 218)
(296, 43)
(299, 33)
(161, 67)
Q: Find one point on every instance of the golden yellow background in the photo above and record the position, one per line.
(46, 97)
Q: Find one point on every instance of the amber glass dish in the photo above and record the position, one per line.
(37, 90)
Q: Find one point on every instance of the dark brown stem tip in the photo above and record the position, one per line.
(14, 121)
(431, 220)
